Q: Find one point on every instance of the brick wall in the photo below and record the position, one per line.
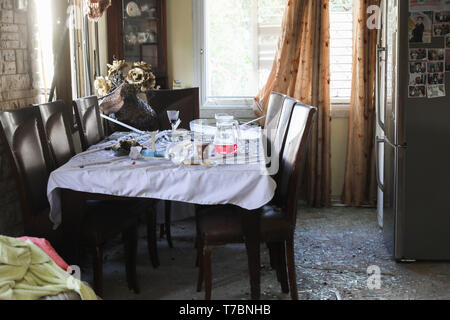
(16, 91)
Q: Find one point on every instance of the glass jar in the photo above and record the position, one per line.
(227, 135)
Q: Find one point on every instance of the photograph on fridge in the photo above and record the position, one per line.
(417, 67)
(435, 67)
(419, 54)
(436, 91)
(441, 30)
(420, 27)
(436, 54)
(417, 79)
(436, 78)
(417, 92)
(442, 17)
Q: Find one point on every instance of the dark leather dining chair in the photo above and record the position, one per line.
(90, 127)
(184, 100)
(55, 117)
(278, 116)
(89, 121)
(23, 136)
(221, 225)
(187, 102)
(23, 131)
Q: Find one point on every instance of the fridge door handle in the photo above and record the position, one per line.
(378, 98)
(378, 141)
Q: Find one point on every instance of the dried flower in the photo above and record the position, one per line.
(138, 74)
(143, 65)
(117, 65)
(141, 79)
(102, 85)
(150, 83)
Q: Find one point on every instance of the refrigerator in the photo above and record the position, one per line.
(412, 145)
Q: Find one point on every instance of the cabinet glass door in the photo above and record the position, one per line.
(140, 31)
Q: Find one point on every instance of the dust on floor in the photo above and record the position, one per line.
(334, 249)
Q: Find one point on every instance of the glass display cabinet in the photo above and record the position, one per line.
(137, 32)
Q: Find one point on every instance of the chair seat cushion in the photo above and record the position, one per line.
(223, 224)
(220, 225)
(106, 219)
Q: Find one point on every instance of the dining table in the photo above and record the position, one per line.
(101, 173)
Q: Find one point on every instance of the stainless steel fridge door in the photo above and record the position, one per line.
(381, 70)
(389, 195)
(422, 222)
(391, 103)
(381, 83)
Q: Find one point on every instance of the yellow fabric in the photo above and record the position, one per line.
(28, 273)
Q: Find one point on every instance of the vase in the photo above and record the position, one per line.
(124, 105)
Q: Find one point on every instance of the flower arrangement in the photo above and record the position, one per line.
(119, 91)
(138, 76)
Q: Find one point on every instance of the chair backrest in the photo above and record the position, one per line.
(184, 100)
(294, 158)
(283, 124)
(89, 122)
(274, 108)
(22, 132)
(277, 127)
(57, 128)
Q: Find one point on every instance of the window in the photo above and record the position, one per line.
(43, 47)
(236, 42)
(341, 55)
(82, 64)
(236, 46)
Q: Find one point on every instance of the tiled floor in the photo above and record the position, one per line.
(334, 248)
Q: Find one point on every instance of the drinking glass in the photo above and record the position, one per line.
(173, 117)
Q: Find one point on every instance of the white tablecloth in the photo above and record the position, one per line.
(100, 171)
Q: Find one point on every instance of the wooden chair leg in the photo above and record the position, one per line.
(199, 249)
(290, 255)
(273, 255)
(281, 267)
(151, 239)
(98, 270)
(162, 231)
(130, 250)
(251, 221)
(207, 272)
(168, 217)
(200, 263)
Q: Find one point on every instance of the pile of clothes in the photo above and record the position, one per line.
(30, 269)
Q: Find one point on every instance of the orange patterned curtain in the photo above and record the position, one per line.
(360, 181)
(302, 70)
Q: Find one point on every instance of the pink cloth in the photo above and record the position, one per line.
(50, 251)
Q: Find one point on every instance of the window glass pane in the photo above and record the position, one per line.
(341, 32)
(241, 39)
(43, 40)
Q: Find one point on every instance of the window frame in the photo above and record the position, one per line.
(239, 106)
(340, 102)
